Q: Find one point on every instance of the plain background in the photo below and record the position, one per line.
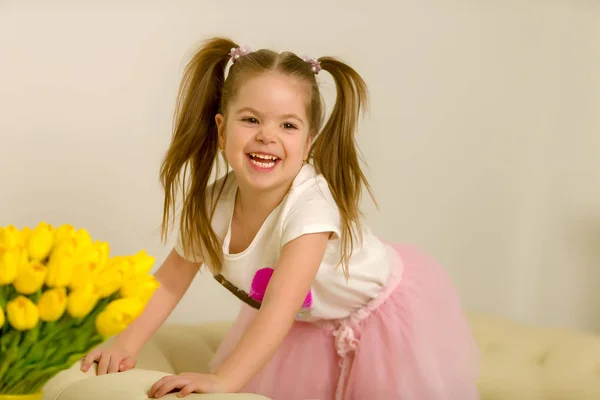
(482, 143)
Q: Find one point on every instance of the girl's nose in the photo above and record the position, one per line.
(265, 135)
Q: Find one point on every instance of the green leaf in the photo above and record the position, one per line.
(47, 328)
(36, 353)
(29, 339)
(7, 339)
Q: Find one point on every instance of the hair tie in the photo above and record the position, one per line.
(315, 65)
(236, 53)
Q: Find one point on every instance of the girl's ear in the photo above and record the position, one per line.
(220, 121)
(308, 144)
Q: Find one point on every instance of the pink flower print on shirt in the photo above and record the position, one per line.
(261, 281)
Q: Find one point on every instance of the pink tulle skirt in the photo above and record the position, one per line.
(412, 342)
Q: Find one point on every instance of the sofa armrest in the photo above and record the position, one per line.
(129, 385)
(173, 349)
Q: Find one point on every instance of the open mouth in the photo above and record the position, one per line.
(263, 161)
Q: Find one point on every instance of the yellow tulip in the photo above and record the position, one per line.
(89, 262)
(84, 250)
(22, 313)
(52, 304)
(2, 317)
(99, 254)
(30, 278)
(25, 235)
(117, 315)
(10, 237)
(142, 288)
(10, 260)
(83, 239)
(141, 263)
(109, 279)
(81, 301)
(63, 233)
(40, 241)
(60, 266)
(82, 275)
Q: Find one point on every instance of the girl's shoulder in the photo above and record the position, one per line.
(310, 184)
(309, 207)
(310, 194)
(222, 189)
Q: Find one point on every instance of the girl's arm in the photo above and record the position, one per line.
(175, 276)
(287, 289)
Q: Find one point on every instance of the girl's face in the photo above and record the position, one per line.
(265, 132)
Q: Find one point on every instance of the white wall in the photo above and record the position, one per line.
(483, 140)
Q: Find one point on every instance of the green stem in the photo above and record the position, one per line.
(3, 297)
(35, 381)
(10, 354)
(61, 355)
(35, 297)
(29, 339)
(31, 351)
(47, 350)
(6, 337)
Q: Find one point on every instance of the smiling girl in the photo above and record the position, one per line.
(329, 310)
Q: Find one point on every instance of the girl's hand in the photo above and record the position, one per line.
(110, 359)
(187, 383)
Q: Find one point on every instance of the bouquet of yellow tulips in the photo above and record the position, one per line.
(61, 294)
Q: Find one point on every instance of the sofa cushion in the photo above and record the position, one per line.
(188, 347)
(534, 363)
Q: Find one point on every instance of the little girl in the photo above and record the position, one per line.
(329, 310)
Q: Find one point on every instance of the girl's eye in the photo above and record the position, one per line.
(250, 120)
(287, 125)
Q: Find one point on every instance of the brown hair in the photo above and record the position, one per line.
(205, 92)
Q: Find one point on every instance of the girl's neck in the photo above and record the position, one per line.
(259, 204)
(251, 209)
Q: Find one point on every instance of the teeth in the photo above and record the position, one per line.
(263, 156)
(263, 164)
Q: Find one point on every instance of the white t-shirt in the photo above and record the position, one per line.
(308, 207)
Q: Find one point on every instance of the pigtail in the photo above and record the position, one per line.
(335, 152)
(194, 145)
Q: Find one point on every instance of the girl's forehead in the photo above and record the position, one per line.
(273, 93)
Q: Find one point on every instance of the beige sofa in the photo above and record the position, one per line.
(519, 363)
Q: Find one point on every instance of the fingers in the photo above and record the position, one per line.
(187, 389)
(114, 364)
(167, 385)
(103, 364)
(127, 364)
(109, 361)
(156, 386)
(91, 357)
